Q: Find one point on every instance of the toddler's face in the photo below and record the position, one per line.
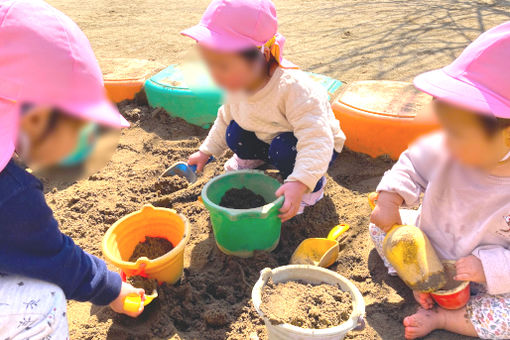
(230, 70)
(49, 148)
(466, 138)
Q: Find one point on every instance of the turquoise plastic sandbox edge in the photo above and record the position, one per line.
(167, 90)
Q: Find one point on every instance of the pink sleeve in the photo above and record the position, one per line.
(496, 266)
(409, 177)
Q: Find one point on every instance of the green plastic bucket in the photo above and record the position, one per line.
(240, 232)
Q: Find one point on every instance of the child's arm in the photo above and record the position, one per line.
(409, 177)
(405, 182)
(215, 143)
(311, 117)
(33, 246)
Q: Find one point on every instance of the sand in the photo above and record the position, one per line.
(241, 199)
(349, 40)
(451, 283)
(151, 248)
(212, 300)
(305, 305)
(149, 285)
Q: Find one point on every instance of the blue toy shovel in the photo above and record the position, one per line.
(183, 169)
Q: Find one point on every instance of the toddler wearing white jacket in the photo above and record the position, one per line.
(273, 113)
(288, 123)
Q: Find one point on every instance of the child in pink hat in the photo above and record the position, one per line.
(273, 112)
(50, 88)
(464, 175)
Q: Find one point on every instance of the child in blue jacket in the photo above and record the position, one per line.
(50, 89)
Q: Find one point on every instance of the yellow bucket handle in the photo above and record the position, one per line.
(337, 231)
(372, 199)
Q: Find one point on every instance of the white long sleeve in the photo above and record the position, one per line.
(215, 143)
(410, 176)
(496, 266)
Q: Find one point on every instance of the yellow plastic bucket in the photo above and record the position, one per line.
(121, 239)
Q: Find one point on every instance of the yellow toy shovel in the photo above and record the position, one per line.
(321, 252)
(410, 252)
(133, 302)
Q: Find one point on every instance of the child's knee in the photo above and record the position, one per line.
(245, 144)
(233, 135)
(283, 152)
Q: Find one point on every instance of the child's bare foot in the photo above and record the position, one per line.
(424, 299)
(423, 322)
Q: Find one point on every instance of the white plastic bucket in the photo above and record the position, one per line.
(313, 275)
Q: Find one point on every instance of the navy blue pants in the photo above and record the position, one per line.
(281, 153)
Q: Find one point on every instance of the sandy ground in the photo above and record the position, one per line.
(349, 40)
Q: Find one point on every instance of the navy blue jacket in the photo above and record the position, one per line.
(32, 245)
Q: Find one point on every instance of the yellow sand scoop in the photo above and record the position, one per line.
(321, 252)
(133, 302)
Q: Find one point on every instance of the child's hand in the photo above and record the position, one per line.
(424, 299)
(199, 159)
(293, 192)
(118, 304)
(386, 213)
(470, 268)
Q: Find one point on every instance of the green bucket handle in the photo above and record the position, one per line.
(259, 213)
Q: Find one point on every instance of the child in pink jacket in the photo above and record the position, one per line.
(464, 174)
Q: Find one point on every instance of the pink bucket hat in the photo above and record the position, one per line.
(236, 25)
(479, 79)
(45, 59)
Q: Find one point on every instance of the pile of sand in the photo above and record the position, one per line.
(305, 305)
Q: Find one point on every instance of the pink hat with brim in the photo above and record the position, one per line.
(237, 25)
(46, 60)
(219, 41)
(479, 79)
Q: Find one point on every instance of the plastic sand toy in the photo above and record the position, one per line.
(382, 117)
(125, 77)
(312, 275)
(133, 302)
(124, 235)
(455, 294)
(240, 232)
(410, 252)
(321, 252)
(188, 92)
(183, 169)
(185, 94)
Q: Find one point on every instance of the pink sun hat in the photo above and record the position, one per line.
(46, 60)
(479, 79)
(237, 25)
